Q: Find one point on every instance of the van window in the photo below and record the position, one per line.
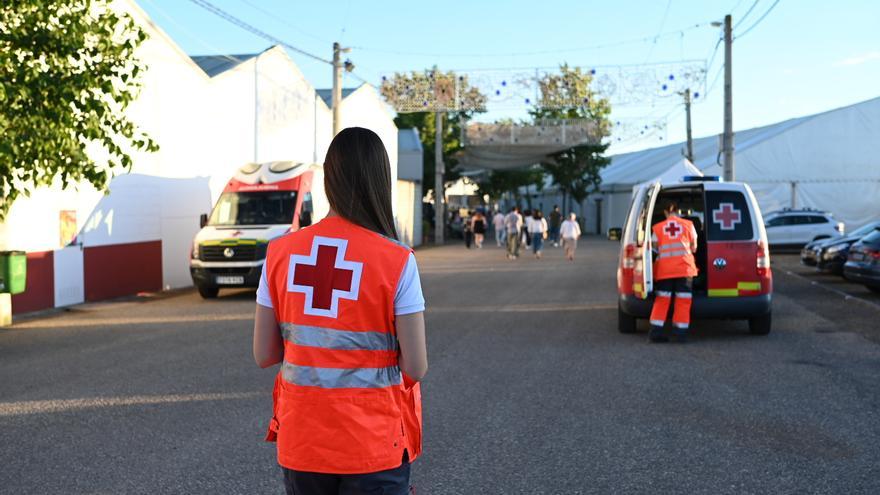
(728, 216)
(254, 208)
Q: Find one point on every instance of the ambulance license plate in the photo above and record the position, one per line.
(230, 280)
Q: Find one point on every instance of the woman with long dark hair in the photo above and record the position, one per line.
(340, 307)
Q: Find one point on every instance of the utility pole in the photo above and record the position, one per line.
(690, 137)
(336, 93)
(439, 170)
(727, 142)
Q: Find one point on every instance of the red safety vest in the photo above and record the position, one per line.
(341, 403)
(674, 257)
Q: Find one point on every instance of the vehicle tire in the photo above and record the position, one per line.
(760, 325)
(208, 292)
(873, 288)
(625, 323)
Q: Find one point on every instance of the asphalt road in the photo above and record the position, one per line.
(531, 389)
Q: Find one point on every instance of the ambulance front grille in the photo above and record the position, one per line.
(239, 253)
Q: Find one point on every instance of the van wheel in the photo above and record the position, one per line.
(208, 292)
(760, 325)
(625, 322)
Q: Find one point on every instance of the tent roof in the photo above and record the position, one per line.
(218, 64)
(409, 140)
(327, 94)
(636, 167)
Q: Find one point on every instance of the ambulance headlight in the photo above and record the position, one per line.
(195, 250)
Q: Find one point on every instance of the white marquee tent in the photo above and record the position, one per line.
(829, 161)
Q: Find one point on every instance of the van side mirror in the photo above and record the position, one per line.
(614, 233)
(305, 219)
(203, 220)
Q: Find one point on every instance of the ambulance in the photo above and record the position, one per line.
(734, 280)
(261, 202)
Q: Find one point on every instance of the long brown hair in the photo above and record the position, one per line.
(357, 179)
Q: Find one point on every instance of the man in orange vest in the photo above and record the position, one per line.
(675, 242)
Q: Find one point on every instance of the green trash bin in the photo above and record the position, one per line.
(13, 271)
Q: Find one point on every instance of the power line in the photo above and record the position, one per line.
(677, 32)
(743, 18)
(662, 25)
(758, 21)
(253, 30)
(282, 21)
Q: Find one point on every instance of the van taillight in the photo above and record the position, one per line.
(629, 256)
(763, 259)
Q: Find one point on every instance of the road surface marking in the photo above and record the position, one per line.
(26, 407)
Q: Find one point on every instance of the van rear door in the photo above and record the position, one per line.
(634, 274)
(733, 245)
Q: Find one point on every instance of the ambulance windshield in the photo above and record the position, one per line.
(254, 208)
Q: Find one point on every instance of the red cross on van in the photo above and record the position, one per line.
(734, 280)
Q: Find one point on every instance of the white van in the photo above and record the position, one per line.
(733, 258)
(262, 202)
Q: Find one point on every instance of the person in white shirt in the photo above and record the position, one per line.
(570, 231)
(537, 227)
(498, 223)
(512, 224)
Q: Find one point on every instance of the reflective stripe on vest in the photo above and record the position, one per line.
(671, 254)
(339, 340)
(312, 376)
(674, 245)
(330, 338)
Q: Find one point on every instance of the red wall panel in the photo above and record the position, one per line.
(39, 292)
(122, 269)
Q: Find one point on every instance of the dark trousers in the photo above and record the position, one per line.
(665, 291)
(393, 481)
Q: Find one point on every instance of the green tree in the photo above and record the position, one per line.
(67, 73)
(425, 123)
(568, 95)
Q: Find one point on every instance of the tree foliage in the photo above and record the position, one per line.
(568, 95)
(67, 73)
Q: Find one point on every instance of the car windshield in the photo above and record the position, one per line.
(254, 208)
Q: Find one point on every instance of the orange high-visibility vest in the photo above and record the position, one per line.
(674, 257)
(341, 403)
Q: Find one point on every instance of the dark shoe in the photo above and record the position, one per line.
(655, 336)
(681, 338)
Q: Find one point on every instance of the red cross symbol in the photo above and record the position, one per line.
(727, 216)
(672, 230)
(325, 276)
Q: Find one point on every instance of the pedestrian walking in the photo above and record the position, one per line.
(524, 231)
(347, 402)
(467, 230)
(478, 226)
(538, 232)
(513, 223)
(570, 232)
(498, 225)
(675, 241)
(555, 225)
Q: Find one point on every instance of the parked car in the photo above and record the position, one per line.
(831, 254)
(734, 281)
(797, 227)
(863, 263)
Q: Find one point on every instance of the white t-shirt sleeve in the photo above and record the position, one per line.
(263, 297)
(409, 298)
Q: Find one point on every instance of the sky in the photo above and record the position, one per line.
(803, 57)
